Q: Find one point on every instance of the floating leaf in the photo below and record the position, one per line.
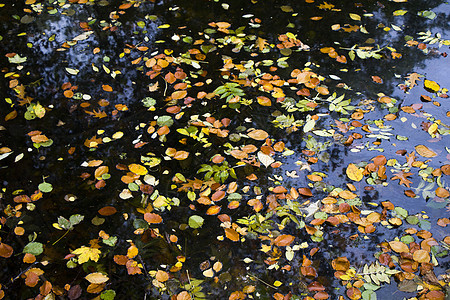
(96, 278)
(195, 221)
(284, 240)
(138, 169)
(425, 151)
(5, 250)
(354, 173)
(265, 159)
(232, 234)
(181, 155)
(398, 247)
(34, 248)
(162, 276)
(421, 256)
(258, 134)
(152, 218)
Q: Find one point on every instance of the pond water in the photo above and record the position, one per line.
(224, 149)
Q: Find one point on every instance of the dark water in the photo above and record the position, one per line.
(68, 123)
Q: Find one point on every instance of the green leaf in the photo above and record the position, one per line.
(195, 221)
(76, 219)
(108, 295)
(111, 241)
(45, 187)
(401, 212)
(148, 102)
(34, 248)
(64, 223)
(164, 121)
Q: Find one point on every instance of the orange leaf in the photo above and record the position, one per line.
(183, 296)
(138, 169)
(162, 276)
(258, 134)
(217, 196)
(178, 95)
(284, 240)
(377, 79)
(425, 151)
(442, 193)
(340, 264)
(181, 155)
(232, 234)
(152, 218)
(354, 293)
(107, 88)
(398, 246)
(213, 210)
(264, 101)
(305, 192)
(5, 250)
(421, 256)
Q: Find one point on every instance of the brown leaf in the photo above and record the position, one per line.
(354, 293)
(107, 211)
(340, 264)
(402, 176)
(284, 240)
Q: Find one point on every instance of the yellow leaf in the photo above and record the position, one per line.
(96, 278)
(138, 169)
(87, 253)
(132, 251)
(347, 195)
(354, 173)
(431, 85)
(355, 17)
(425, 151)
(277, 283)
